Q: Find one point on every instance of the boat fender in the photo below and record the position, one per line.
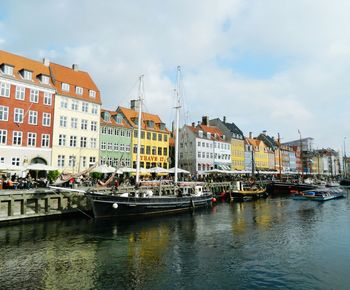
(115, 205)
(213, 199)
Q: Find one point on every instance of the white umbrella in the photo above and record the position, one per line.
(40, 166)
(104, 169)
(9, 167)
(127, 169)
(158, 170)
(179, 170)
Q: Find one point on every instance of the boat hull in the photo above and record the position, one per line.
(276, 188)
(107, 206)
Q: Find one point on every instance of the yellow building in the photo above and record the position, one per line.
(261, 154)
(155, 137)
(237, 154)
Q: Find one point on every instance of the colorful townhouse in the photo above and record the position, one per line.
(115, 139)
(248, 155)
(154, 151)
(27, 97)
(203, 148)
(260, 156)
(237, 141)
(76, 118)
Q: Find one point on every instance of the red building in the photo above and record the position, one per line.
(26, 110)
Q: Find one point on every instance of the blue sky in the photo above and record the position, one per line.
(268, 65)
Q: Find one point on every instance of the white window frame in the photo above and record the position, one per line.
(75, 105)
(31, 139)
(8, 70)
(46, 119)
(92, 94)
(4, 113)
(79, 91)
(94, 109)
(33, 118)
(63, 121)
(34, 96)
(93, 126)
(18, 114)
(84, 124)
(20, 93)
(73, 141)
(16, 161)
(64, 103)
(45, 140)
(62, 140)
(65, 87)
(47, 99)
(3, 136)
(5, 89)
(27, 75)
(60, 160)
(85, 107)
(17, 135)
(45, 79)
(74, 123)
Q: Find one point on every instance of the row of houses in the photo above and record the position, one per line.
(52, 114)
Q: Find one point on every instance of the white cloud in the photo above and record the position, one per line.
(116, 41)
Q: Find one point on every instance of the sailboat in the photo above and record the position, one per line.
(144, 202)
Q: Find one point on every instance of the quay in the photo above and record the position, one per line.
(20, 205)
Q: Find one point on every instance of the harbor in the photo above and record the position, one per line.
(268, 243)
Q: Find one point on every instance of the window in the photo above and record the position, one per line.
(83, 161)
(47, 99)
(2, 160)
(84, 124)
(199, 154)
(45, 79)
(73, 141)
(20, 93)
(31, 139)
(15, 161)
(104, 130)
(199, 144)
(122, 147)
(165, 151)
(33, 118)
(154, 136)
(27, 75)
(4, 113)
(71, 161)
(63, 121)
(85, 107)
(79, 90)
(128, 134)
(83, 142)
(116, 132)
(159, 150)
(92, 160)
(103, 145)
(159, 137)
(148, 150)
(93, 142)
(65, 87)
(165, 138)
(75, 105)
(60, 160)
(154, 150)
(94, 109)
(119, 119)
(5, 89)
(109, 146)
(142, 134)
(116, 147)
(45, 140)
(46, 119)
(17, 138)
(127, 148)
(92, 94)
(64, 103)
(74, 123)
(62, 140)
(3, 137)
(18, 116)
(149, 135)
(34, 96)
(8, 70)
(142, 151)
(110, 131)
(94, 126)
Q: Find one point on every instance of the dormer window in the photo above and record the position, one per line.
(8, 69)
(200, 133)
(65, 87)
(27, 75)
(92, 94)
(79, 90)
(45, 79)
(119, 119)
(135, 120)
(106, 116)
(162, 126)
(209, 135)
(150, 124)
(223, 137)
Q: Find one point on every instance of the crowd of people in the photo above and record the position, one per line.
(16, 182)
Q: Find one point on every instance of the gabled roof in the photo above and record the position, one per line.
(75, 78)
(131, 116)
(112, 121)
(269, 141)
(215, 132)
(19, 63)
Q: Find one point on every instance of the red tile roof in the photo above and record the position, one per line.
(131, 115)
(62, 74)
(112, 121)
(19, 63)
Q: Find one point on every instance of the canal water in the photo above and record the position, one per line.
(270, 243)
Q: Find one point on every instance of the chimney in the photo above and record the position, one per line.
(46, 61)
(264, 132)
(224, 118)
(75, 67)
(193, 124)
(250, 135)
(134, 105)
(205, 120)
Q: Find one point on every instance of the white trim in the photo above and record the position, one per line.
(18, 147)
(26, 85)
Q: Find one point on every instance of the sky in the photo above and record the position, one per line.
(280, 66)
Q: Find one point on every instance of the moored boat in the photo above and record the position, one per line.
(320, 194)
(248, 191)
(286, 187)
